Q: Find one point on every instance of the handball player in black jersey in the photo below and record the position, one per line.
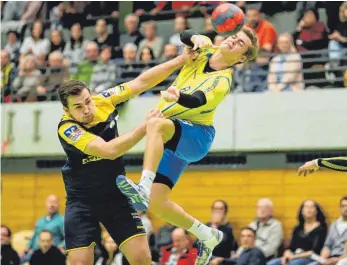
(89, 136)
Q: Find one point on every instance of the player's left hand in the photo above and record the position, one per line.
(154, 113)
(308, 168)
(200, 41)
(170, 95)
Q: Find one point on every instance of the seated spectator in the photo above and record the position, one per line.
(266, 32)
(151, 39)
(8, 74)
(103, 38)
(163, 236)
(85, 68)
(218, 40)
(209, 30)
(132, 34)
(308, 236)
(29, 77)
(104, 73)
(175, 6)
(55, 16)
(53, 222)
(170, 52)
(57, 42)
(146, 55)
(249, 77)
(74, 50)
(13, 46)
(8, 255)
(115, 257)
(129, 53)
(269, 231)
(338, 39)
(181, 250)
(285, 70)
(311, 35)
(47, 253)
(56, 75)
(13, 11)
(181, 24)
(35, 44)
(334, 246)
(219, 220)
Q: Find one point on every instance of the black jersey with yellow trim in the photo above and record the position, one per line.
(86, 176)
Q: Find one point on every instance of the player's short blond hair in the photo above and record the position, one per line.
(252, 51)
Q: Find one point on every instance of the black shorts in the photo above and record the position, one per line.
(82, 228)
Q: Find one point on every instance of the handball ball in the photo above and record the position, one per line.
(227, 19)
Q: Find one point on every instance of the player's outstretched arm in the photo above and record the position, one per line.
(157, 74)
(120, 145)
(333, 163)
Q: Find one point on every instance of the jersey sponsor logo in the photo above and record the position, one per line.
(73, 133)
(213, 86)
(90, 159)
(185, 89)
(113, 91)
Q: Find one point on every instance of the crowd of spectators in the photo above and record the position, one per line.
(34, 65)
(261, 241)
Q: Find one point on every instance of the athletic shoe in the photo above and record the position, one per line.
(136, 193)
(205, 247)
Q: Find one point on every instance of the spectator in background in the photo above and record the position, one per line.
(8, 255)
(55, 16)
(13, 46)
(285, 70)
(163, 237)
(311, 34)
(219, 220)
(269, 231)
(334, 246)
(8, 75)
(218, 40)
(170, 52)
(13, 10)
(181, 24)
(266, 32)
(25, 84)
(104, 73)
(85, 68)
(180, 252)
(103, 38)
(308, 236)
(129, 53)
(146, 55)
(132, 34)
(74, 50)
(35, 44)
(52, 224)
(58, 74)
(34, 10)
(47, 253)
(151, 39)
(57, 41)
(338, 39)
(209, 30)
(115, 257)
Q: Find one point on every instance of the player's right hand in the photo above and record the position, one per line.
(308, 168)
(170, 95)
(154, 113)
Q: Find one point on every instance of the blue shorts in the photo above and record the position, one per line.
(190, 143)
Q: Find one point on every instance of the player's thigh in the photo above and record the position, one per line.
(83, 256)
(124, 225)
(81, 227)
(136, 250)
(165, 126)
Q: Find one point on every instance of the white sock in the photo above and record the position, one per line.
(201, 231)
(147, 179)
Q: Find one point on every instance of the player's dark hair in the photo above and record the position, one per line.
(71, 88)
(252, 51)
(249, 229)
(9, 233)
(344, 198)
(46, 231)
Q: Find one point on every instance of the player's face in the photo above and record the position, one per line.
(234, 47)
(81, 107)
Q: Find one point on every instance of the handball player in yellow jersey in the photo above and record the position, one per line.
(186, 133)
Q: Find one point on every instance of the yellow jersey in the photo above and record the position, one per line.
(216, 85)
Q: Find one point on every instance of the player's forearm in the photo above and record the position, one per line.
(120, 145)
(334, 163)
(155, 75)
